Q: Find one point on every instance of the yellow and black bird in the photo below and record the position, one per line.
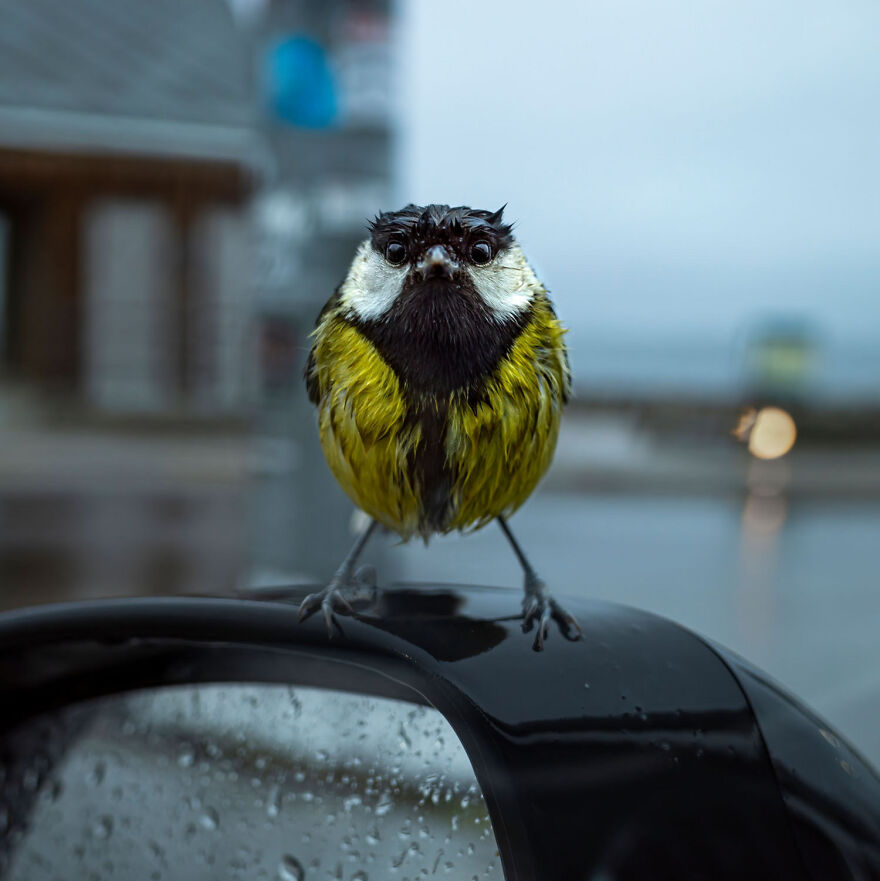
(439, 372)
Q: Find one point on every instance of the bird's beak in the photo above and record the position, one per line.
(437, 263)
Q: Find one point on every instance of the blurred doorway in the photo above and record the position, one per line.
(4, 279)
(31, 349)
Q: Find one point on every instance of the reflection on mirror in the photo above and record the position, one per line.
(247, 782)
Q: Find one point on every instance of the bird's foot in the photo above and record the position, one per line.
(539, 607)
(336, 598)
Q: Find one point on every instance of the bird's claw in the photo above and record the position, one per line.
(330, 600)
(335, 599)
(539, 607)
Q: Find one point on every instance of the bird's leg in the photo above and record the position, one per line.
(538, 603)
(346, 581)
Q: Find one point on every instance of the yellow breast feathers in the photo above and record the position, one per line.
(496, 442)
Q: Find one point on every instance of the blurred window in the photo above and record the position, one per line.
(246, 782)
(131, 343)
(4, 276)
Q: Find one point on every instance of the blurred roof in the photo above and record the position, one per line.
(148, 77)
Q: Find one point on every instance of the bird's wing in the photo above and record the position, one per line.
(310, 374)
(562, 352)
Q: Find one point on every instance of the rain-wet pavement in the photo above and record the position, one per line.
(61, 546)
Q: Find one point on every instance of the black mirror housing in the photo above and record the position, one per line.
(642, 751)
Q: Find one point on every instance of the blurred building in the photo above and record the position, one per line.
(182, 186)
(128, 143)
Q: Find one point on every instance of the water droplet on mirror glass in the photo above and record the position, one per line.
(103, 828)
(290, 869)
(209, 819)
(405, 742)
(273, 803)
(97, 774)
(397, 861)
(51, 792)
(30, 780)
(186, 758)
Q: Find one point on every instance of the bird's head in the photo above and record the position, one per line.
(425, 257)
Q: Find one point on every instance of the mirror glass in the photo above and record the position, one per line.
(250, 782)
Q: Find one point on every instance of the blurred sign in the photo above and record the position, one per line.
(781, 356)
(247, 11)
(281, 222)
(362, 65)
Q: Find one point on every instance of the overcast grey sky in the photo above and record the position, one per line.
(677, 169)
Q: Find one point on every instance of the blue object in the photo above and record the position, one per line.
(300, 83)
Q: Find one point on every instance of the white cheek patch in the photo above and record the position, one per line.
(372, 285)
(507, 285)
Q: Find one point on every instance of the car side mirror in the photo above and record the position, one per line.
(641, 751)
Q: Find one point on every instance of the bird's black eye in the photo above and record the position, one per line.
(481, 253)
(395, 253)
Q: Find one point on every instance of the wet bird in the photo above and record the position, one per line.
(439, 372)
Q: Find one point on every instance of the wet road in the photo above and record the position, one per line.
(61, 546)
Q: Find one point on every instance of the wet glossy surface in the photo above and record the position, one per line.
(621, 751)
(631, 754)
(830, 791)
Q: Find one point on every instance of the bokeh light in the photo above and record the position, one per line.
(773, 433)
